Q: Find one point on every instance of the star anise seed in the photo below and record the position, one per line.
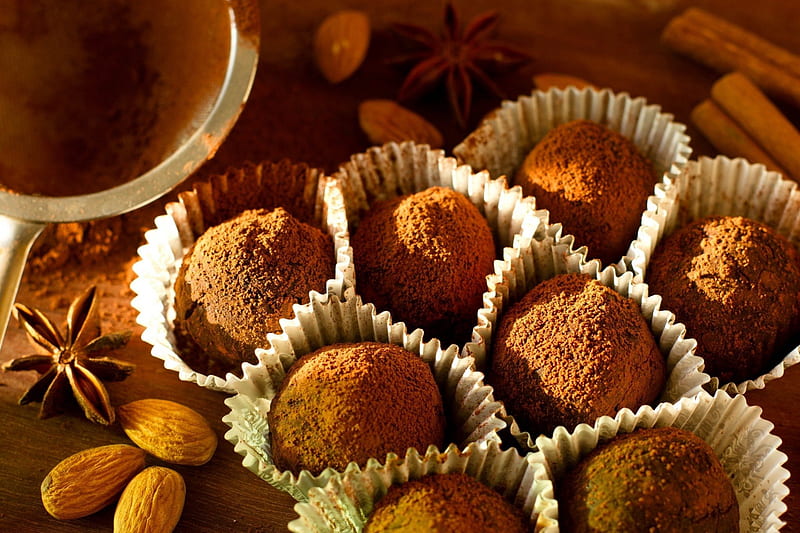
(77, 361)
(457, 57)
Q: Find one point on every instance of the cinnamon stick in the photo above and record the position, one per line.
(757, 115)
(728, 137)
(726, 47)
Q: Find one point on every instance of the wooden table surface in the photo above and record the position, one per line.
(293, 113)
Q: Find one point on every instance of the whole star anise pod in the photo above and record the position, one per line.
(457, 57)
(76, 362)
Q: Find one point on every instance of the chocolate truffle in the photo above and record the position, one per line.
(594, 181)
(349, 402)
(443, 503)
(425, 258)
(241, 277)
(572, 350)
(664, 479)
(735, 284)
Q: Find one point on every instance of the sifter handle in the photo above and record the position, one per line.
(16, 238)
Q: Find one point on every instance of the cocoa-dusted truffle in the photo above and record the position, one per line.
(443, 503)
(425, 258)
(241, 277)
(664, 479)
(349, 402)
(594, 181)
(572, 350)
(735, 284)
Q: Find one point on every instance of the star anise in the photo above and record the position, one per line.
(457, 57)
(76, 362)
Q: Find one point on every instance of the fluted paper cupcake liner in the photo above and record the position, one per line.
(318, 201)
(345, 504)
(391, 170)
(531, 261)
(470, 407)
(722, 186)
(506, 136)
(740, 438)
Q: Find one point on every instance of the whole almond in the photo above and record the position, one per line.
(151, 503)
(340, 44)
(87, 481)
(386, 121)
(546, 80)
(168, 430)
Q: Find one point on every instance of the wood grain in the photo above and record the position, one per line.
(611, 43)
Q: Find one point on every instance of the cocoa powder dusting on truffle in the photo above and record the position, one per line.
(573, 350)
(661, 479)
(425, 258)
(735, 284)
(351, 402)
(241, 277)
(594, 181)
(442, 503)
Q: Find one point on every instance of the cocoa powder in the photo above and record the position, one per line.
(240, 278)
(572, 350)
(594, 181)
(735, 284)
(655, 479)
(445, 502)
(425, 258)
(352, 402)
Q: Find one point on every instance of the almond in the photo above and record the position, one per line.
(340, 44)
(168, 430)
(386, 121)
(547, 80)
(151, 503)
(86, 482)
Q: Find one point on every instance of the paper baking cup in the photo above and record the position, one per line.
(740, 438)
(345, 504)
(531, 261)
(506, 136)
(209, 203)
(722, 186)
(469, 406)
(392, 170)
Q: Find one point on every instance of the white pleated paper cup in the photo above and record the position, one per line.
(740, 437)
(470, 409)
(392, 170)
(318, 202)
(727, 187)
(531, 261)
(504, 138)
(345, 504)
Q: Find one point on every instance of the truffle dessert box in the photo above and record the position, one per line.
(345, 504)
(504, 140)
(469, 408)
(303, 192)
(733, 188)
(532, 262)
(413, 253)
